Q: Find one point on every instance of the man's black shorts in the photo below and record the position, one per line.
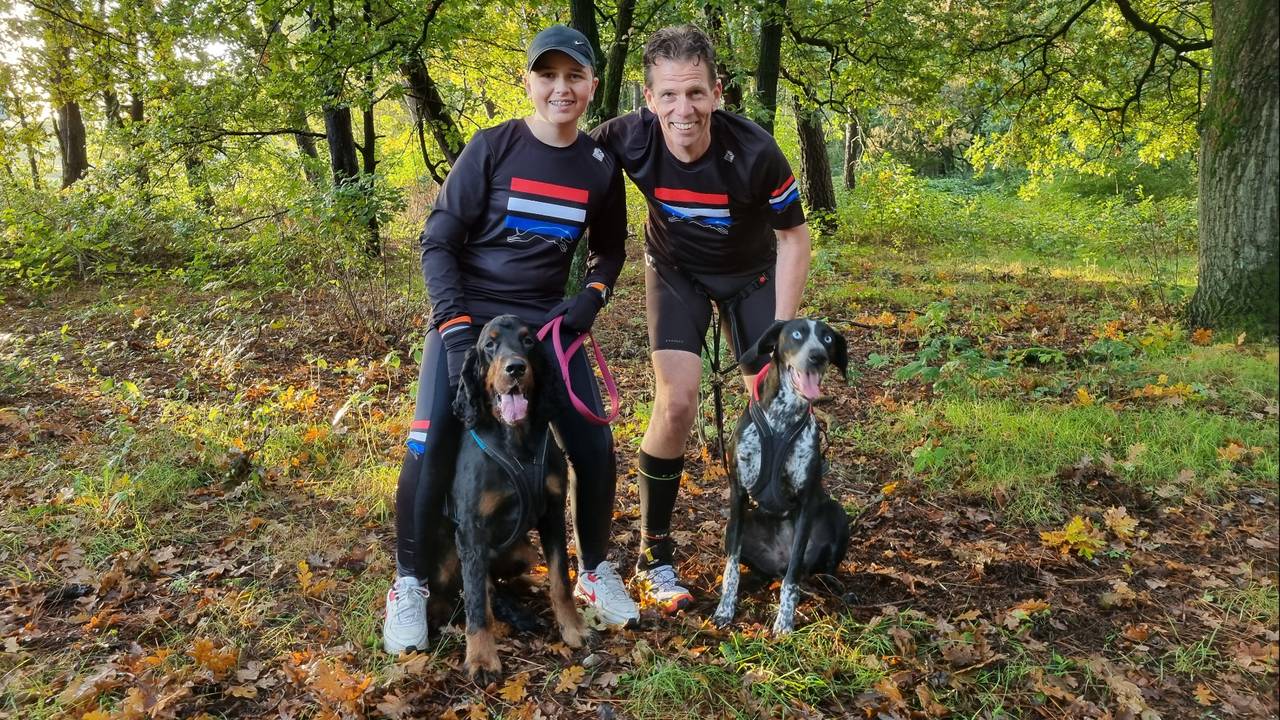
(678, 308)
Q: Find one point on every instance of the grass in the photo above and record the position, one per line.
(982, 446)
(220, 435)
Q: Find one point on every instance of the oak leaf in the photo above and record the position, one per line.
(1118, 521)
(516, 688)
(1078, 535)
(570, 678)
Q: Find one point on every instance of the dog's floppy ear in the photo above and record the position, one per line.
(840, 354)
(469, 403)
(763, 347)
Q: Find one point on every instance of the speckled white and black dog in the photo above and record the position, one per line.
(782, 523)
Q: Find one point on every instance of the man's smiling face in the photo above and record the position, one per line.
(683, 94)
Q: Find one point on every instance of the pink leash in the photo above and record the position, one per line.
(562, 356)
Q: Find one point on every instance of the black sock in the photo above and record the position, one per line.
(659, 485)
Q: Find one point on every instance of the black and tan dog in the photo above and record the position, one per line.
(782, 523)
(511, 476)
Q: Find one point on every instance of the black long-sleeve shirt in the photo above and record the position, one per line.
(501, 235)
(715, 215)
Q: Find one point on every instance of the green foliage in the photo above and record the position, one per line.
(94, 230)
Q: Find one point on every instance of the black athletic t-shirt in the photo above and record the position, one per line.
(715, 215)
(501, 235)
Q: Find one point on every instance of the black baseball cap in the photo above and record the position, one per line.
(566, 40)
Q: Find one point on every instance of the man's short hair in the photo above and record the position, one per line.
(680, 42)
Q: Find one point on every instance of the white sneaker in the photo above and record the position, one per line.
(602, 590)
(406, 625)
(659, 586)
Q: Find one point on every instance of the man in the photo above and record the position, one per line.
(724, 225)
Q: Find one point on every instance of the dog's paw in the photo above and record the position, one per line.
(484, 678)
(782, 626)
(722, 619)
(575, 635)
(482, 663)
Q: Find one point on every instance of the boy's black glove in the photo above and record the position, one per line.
(456, 344)
(579, 311)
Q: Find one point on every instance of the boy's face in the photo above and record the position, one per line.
(559, 88)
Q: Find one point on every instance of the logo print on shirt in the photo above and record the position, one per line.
(705, 210)
(544, 211)
(728, 156)
(785, 195)
(598, 154)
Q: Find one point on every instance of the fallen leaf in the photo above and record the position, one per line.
(1078, 535)
(1137, 633)
(1202, 336)
(1204, 695)
(516, 688)
(1119, 522)
(570, 678)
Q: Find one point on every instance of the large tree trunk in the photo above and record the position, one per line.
(815, 168)
(611, 82)
(854, 144)
(768, 60)
(714, 14)
(342, 144)
(71, 138)
(1239, 148)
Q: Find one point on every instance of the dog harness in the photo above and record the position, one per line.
(527, 479)
(767, 490)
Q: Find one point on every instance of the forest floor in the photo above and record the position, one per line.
(1066, 506)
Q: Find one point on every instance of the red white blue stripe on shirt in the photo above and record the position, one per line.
(418, 435)
(784, 195)
(707, 208)
(547, 209)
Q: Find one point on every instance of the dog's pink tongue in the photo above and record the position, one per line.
(512, 407)
(806, 383)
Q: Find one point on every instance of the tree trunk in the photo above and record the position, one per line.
(306, 144)
(815, 168)
(714, 15)
(582, 17)
(373, 245)
(428, 107)
(342, 144)
(768, 61)
(1239, 144)
(611, 82)
(854, 144)
(35, 167)
(111, 106)
(197, 181)
(75, 155)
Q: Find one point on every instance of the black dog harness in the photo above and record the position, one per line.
(527, 479)
(768, 488)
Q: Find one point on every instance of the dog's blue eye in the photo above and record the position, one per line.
(795, 334)
(826, 339)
